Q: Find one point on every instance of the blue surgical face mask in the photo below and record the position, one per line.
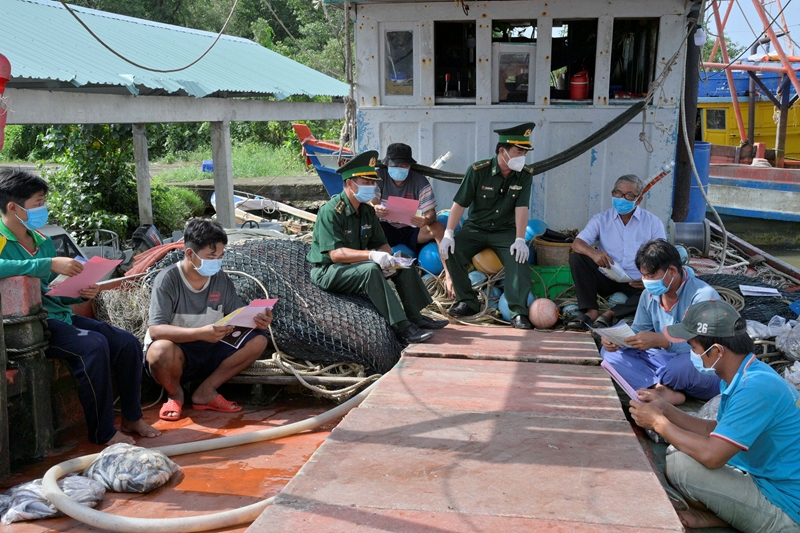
(365, 193)
(623, 206)
(398, 173)
(37, 217)
(697, 361)
(208, 267)
(656, 287)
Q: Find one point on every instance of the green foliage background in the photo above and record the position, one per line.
(94, 184)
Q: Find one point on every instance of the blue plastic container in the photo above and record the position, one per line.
(702, 160)
(208, 166)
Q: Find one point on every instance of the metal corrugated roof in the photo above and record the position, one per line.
(48, 48)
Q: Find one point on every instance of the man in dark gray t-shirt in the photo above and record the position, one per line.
(182, 343)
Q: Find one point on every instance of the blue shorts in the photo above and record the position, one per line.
(203, 358)
(406, 235)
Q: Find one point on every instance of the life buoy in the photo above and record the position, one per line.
(5, 75)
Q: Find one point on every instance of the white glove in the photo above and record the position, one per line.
(383, 259)
(520, 250)
(448, 244)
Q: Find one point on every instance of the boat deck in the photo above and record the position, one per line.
(492, 438)
(499, 442)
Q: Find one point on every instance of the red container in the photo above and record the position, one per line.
(579, 86)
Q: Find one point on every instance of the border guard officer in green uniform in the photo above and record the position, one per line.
(350, 255)
(498, 192)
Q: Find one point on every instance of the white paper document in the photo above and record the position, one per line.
(749, 290)
(616, 273)
(616, 334)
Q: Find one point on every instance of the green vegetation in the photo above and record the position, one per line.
(250, 160)
(94, 187)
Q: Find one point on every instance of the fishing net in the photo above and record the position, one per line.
(758, 308)
(308, 323)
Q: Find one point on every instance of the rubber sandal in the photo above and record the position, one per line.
(578, 324)
(218, 404)
(602, 322)
(168, 407)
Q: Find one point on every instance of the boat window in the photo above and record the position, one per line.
(454, 62)
(513, 61)
(573, 60)
(715, 119)
(399, 67)
(633, 57)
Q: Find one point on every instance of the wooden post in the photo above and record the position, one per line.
(5, 454)
(783, 122)
(223, 172)
(142, 174)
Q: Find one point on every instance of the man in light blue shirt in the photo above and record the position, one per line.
(652, 360)
(618, 232)
(742, 469)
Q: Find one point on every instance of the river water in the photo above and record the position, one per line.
(780, 239)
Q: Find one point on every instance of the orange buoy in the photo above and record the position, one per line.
(487, 262)
(543, 313)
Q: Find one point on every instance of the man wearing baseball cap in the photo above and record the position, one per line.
(742, 469)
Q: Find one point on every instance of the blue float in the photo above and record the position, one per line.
(535, 227)
(618, 298)
(429, 259)
(494, 297)
(443, 215)
(402, 248)
(476, 277)
(502, 305)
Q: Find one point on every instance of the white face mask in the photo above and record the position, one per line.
(515, 163)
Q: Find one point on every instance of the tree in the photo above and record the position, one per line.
(734, 49)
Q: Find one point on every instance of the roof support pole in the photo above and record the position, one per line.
(223, 172)
(734, 98)
(140, 158)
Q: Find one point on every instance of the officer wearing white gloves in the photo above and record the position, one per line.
(497, 192)
(350, 255)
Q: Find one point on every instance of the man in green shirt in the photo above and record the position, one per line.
(92, 349)
(498, 192)
(350, 255)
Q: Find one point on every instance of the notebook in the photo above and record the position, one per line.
(620, 380)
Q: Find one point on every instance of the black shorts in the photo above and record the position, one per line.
(406, 235)
(203, 358)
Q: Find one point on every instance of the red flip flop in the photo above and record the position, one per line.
(168, 407)
(218, 404)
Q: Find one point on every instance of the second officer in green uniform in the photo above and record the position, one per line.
(350, 255)
(497, 192)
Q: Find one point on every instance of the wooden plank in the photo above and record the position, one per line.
(142, 164)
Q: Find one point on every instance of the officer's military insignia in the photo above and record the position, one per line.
(516, 187)
(372, 162)
(527, 133)
(340, 207)
(366, 226)
(481, 164)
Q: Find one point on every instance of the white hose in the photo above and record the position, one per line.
(124, 524)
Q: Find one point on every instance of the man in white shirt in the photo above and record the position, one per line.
(618, 232)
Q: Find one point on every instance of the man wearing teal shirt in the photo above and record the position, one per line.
(742, 469)
(90, 348)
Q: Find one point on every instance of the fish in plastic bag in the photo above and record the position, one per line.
(28, 501)
(792, 375)
(126, 468)
(710, 408)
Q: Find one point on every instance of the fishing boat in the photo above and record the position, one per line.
(325, 156)
(485, 429)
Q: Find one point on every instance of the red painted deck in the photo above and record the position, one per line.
(453, 445)
(508, 344)
(212, 481)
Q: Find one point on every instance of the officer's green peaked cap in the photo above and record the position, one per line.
(518, 135)
(361, 166)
